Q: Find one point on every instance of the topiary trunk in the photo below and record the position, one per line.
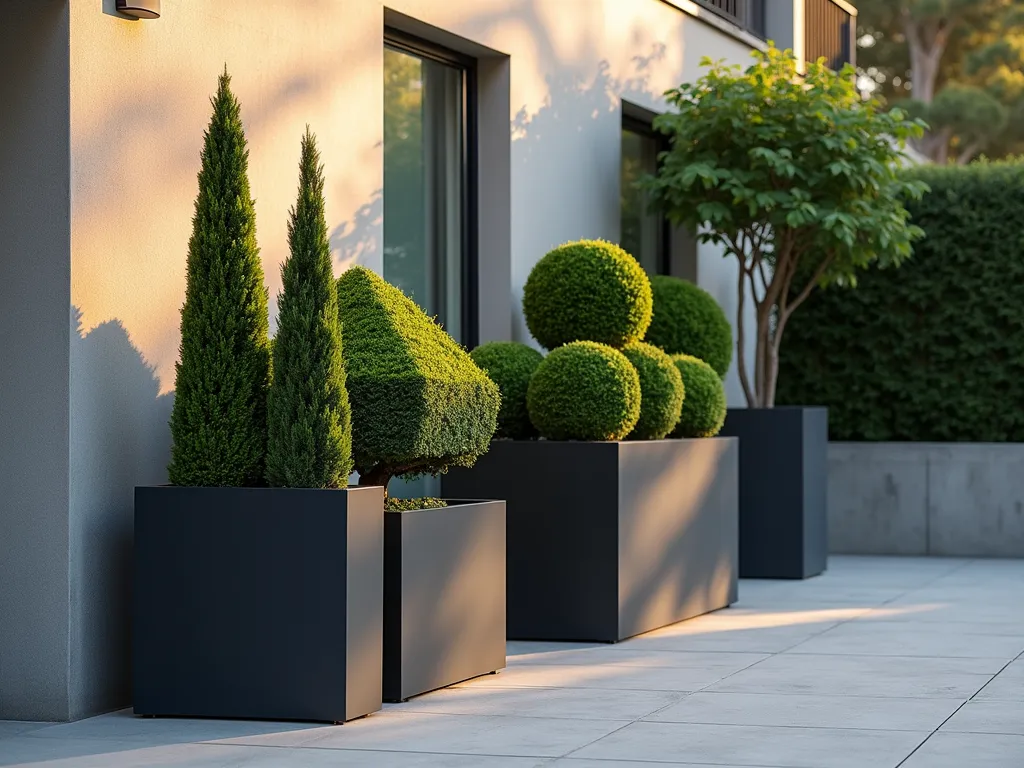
(310, 432)
(219, 421)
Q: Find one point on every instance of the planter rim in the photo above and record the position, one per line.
(348, 488)
(613, 442)
(780, 408)
(449, 504)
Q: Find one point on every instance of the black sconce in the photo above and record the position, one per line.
(139, 9)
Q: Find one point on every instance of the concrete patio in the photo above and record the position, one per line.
(881, 662)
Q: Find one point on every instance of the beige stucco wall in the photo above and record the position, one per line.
(139, 104)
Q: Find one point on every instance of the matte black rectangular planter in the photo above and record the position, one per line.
(783, 490)
(608, 540)
(444, 596)
(258, 602)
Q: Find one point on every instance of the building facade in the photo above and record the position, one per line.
(461, 141)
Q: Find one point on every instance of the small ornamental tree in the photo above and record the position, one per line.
(219, 420)
(795, 176)
(419, 403)
(310, 433)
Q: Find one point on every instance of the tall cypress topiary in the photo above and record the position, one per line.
(310, 432)
(219, 421)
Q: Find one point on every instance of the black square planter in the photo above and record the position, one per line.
(608, 540)
(444, 596)
(258, 602)
(783, 490)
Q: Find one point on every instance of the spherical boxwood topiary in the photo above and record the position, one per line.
(688, 321)
(703, 411)
(589, 290)
(661, 388)
(510, 365)
(584, 391)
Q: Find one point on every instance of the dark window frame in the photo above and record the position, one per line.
(645, 128)
(469, 266)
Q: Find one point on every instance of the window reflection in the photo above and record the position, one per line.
(642, 233)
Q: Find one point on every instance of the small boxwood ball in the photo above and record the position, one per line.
(661, 390)
(510, 365)
(703, 411)
(688, 321)
(584, 391)
(589, 290)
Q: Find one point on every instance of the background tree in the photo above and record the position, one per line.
(310, 431)
(954, 63)
(797, 178)
(219, 421)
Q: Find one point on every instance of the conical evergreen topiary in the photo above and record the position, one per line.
(219, 421)
(310, 433)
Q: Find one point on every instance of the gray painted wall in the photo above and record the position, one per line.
(35, 294)
(955, 499)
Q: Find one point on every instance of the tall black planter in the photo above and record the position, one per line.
(783, 490)
(444, 596)
(608, 540)
(258, 602)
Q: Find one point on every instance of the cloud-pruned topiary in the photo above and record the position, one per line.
(584, 391)
(588, 290)
(687, 320)
(661, 388)
(419, 402)
(704, 408)
(219, 420)
(310, 431)
(510, 364)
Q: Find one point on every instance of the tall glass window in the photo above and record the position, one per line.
(427, 192)
(425, 180)
(644, 234)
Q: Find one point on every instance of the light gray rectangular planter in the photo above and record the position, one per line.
(954, 499)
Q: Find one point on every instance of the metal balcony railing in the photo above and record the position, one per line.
(830, 30)
(748, 14)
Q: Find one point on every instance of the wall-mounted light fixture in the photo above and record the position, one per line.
(139, 9)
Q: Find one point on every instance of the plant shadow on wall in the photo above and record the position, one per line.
(551, 163)
(119, 437)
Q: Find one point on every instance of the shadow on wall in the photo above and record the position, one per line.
(119, 438)
(566, 164)
(357, 241)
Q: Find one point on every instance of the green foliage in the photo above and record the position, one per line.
(934, 350)
(589, 290)
(219, 421)
(510, 364)
(687, 320)
(310, 431)
(704, 408)
(419, 402)
(393, 504)
(784, 170)
(584, 391)
(661, 390)
(965, 82)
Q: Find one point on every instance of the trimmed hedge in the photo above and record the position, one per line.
(584, 391)
(589, 290)
(934, 350)
(661, 390)
(704, 408)
(510, 364)
(688, 321)
(419, 402)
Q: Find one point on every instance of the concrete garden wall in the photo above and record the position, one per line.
(956, 499)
